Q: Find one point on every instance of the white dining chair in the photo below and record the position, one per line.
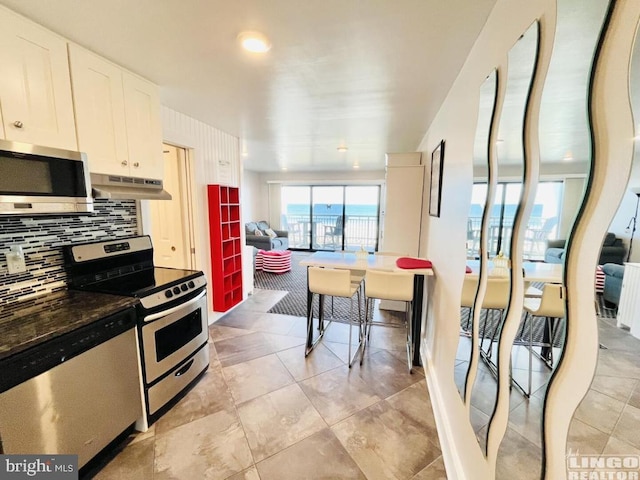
(468, 297)
(388, 285)
(551, 306)
(336, 283)
(495, 301)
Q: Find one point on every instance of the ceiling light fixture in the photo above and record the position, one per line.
(342, 149)
(254, 42)
(356, 166)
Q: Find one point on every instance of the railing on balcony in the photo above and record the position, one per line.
(539, 230)
(358, 231)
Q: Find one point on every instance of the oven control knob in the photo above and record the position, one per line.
(168, 294)
(176, 290)
(191, 284)
(184, 287)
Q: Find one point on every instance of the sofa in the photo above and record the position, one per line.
(613, 274)
(612, 251)
(257, 235)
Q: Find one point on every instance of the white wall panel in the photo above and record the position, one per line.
(215, 157)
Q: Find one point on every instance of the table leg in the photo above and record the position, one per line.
(309, 317)
(416, 317)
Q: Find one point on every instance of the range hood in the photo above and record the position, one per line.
(117, 187)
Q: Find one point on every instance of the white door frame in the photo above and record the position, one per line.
(187, 180)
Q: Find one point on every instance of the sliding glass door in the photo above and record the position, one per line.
(543, 222)
(336, 217)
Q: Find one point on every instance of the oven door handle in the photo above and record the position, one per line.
(164, 313)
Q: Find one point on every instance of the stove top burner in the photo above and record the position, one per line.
(145, 282)
(125, 267)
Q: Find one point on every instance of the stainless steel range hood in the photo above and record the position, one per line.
(117, 187)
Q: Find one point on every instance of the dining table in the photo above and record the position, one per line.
(533, 271)
(364, 262)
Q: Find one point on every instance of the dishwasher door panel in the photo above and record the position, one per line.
(77, 407)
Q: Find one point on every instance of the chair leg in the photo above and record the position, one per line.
(495, 331)
(367, 328)
(530, 349)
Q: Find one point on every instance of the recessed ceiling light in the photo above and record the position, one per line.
(254, 42)
(342, 149)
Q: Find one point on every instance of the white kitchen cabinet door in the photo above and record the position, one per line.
(144, 129)
(99, 105)
(35, 88)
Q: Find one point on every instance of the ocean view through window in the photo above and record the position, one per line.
(342, 217)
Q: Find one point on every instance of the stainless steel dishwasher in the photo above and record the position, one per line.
(74, 394)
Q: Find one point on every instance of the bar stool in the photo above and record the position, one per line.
(336, 283)
(469, 289)
(388, 285)
(552, 306)
(496, 299)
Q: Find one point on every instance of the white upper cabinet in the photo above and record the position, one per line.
(144, 127)
(117, 117)
(35, 90)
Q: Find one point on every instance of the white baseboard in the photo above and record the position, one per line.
(450, 455)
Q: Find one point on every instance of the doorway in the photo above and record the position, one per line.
(172, 225)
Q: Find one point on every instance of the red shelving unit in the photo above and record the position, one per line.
(226, 247)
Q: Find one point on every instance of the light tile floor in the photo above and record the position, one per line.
(263, 411)
(607, 420)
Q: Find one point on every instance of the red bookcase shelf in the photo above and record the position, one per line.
(226, 253)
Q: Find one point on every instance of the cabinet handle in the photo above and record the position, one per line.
(173, 249)
(137, 164)
(124, 163)
(18, 124)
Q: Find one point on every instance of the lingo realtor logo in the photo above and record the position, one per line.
(602, 467)
(44, 467)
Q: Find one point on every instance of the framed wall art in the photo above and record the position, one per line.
(435, 184)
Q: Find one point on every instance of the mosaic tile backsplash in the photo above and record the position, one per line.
(42, 238)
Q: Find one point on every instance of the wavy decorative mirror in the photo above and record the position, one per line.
(564, 139)
(486, 111)
(510, 167)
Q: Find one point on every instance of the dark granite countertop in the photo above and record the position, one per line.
(52, 315)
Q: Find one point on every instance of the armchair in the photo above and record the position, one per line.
(263, 241)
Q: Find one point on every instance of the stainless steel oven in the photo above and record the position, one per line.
(172, 314)
(168, 337)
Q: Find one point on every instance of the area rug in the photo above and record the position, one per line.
(295, 282)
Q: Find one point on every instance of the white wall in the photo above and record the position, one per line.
(444, 238)
(215, 157)
(253, 205)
